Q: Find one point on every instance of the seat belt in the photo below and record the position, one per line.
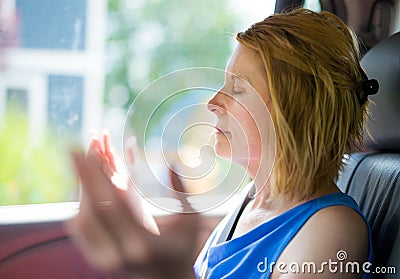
(230, 226)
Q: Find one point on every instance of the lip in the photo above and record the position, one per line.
(221, 130)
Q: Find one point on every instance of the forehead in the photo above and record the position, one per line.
(247, 63)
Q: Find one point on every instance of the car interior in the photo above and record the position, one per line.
(372, 177)
(42, 249)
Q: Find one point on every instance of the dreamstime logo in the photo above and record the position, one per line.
(169, 125)
(338, 265)
(341, 255)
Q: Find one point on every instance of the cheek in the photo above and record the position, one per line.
(254, 140)
(253, 131)
(246, 124)
(247, 132)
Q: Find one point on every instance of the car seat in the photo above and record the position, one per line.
(372, 178)
(372, 28)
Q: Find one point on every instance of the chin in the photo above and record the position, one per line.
(222, 151)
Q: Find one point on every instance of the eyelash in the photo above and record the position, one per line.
(237, 92)
(240, 91)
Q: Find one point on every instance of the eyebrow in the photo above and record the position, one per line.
(236, 76)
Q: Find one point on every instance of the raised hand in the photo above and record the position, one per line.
(112, 237)
(100, 150)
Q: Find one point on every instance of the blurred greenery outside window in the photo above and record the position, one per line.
(57, 86)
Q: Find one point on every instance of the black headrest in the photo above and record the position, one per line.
(337, 7)
(382, 62)
(380, 21)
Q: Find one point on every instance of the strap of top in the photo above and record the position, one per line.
(229, 228)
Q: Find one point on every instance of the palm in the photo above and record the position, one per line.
(113, 235)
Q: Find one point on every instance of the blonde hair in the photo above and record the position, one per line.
(312, 64)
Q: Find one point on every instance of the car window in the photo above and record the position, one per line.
(74, 67)
(314, 5)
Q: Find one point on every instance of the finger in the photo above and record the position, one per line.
(96, 151)
(101, 141)
(131, 155)
(98, 138)
(94, 147)
(92, 144)
(81, 169)
(131, 147)
(178, 186)
(117, 218)
(108, 150)
(107, 169)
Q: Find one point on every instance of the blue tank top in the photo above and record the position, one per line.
(250, 255)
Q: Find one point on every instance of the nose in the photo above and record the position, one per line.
(217, 104)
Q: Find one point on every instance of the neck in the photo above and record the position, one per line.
(264, 187)
(260, 171)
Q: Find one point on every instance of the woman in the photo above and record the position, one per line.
(305, 68)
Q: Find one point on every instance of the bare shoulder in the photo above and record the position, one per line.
(340, 223)
(333, 234)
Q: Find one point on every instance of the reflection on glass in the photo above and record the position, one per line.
(17, 98)
(79, 64)
(65, 105)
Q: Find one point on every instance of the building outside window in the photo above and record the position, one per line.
(79, 64)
